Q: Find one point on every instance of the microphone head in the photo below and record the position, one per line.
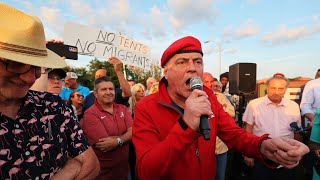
(294, 126)
(196, 83)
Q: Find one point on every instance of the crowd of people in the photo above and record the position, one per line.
(65, 131)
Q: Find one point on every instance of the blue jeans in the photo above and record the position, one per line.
(221, 166)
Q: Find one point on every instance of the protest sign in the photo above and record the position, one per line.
(104, 44)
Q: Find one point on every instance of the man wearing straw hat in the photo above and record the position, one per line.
(39, 136)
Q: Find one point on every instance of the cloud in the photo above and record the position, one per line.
(157, 21)
(28, 5)
(81, 8)
(51, 17)
(284, 34)
(186, 12)
(315, 17)
(247, 29)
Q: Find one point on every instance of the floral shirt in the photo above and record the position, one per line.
(37, 143)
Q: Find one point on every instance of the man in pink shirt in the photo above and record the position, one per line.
(108, 126)
(271, 114)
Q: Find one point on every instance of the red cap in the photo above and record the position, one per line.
(186, 44)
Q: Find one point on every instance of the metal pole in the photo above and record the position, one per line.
(220, 58)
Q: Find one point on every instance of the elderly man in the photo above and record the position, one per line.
(108, 128)
(149, 83)
(271, 114)
(221, 148)
(40, 137)
(166, 125)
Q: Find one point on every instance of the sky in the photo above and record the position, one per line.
(279, 36)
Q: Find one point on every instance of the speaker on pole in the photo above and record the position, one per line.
(242, 78)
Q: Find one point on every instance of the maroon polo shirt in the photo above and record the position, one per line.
(98, 124)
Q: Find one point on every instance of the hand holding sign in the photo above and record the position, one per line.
(117, 64)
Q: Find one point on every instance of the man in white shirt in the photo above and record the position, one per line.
(271, 114)
(311, 98)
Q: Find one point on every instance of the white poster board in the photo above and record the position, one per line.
(103, 44)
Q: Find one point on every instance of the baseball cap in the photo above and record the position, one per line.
(71, 75)
(59, 72)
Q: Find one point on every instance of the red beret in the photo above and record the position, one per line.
(184, 45)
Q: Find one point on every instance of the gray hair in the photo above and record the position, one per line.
(278, 78)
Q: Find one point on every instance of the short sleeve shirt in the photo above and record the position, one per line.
(269, 118)
(38, 142)
(66, 92)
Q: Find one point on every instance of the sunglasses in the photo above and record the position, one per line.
(78, 95)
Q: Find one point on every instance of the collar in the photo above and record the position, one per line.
(267, 101)
(100, 107)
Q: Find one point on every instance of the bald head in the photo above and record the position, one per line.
(100, 73)
(208, 80)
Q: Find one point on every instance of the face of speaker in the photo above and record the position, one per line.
(242, 78)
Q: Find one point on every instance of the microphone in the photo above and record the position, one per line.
(196, 83)
(296, 128)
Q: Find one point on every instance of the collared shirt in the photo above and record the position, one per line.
(37, 143)
(268, 118)
(310, 97)
(66, 92)
(97, 124)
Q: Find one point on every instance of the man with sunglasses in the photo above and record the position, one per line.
(40, 137)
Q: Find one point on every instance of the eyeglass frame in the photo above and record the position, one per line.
(7, 62)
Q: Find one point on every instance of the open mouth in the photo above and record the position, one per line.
(188, 82)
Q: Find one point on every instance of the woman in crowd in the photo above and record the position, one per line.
(76, 101)
(137, 91)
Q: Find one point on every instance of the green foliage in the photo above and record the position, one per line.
(86, 75)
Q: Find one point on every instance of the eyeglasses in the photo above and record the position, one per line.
(78, 95)
(20, 68)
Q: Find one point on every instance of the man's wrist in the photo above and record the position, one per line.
(120, 142)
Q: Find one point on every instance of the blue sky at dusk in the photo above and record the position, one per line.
(280, 36)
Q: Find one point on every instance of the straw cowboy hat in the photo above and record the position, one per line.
(22, 39)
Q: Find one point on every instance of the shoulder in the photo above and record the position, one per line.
(45, 96)
(290, 102)
(150, 99)
(257, 101)
(65, 89)
(83, 88)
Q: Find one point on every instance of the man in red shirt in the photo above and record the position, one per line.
(166, 125)
(108, 126)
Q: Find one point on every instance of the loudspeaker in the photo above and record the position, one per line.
(242, 78)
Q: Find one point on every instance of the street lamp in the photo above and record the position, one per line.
(219, 51)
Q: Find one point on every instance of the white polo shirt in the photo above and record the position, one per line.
(268, 118)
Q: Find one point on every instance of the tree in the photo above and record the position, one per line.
(86, 76)
(83, 75)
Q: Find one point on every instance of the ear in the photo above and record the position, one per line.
(165, 72)
(95, 93)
